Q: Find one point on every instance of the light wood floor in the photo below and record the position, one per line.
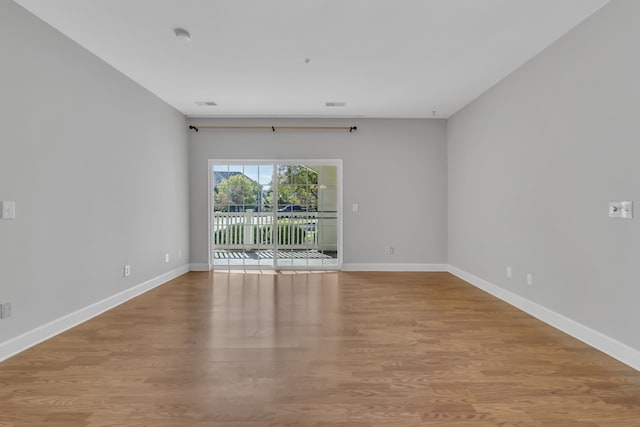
(321, 350)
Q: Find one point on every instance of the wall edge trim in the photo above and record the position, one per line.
(394, 267)
(610, 346)
(55, 327)
(199, 266)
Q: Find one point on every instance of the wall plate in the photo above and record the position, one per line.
(5, 310)
(8, 210)
(622, 209)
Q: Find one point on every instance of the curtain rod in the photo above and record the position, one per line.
(273, 128)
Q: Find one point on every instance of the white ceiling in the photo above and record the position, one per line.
(384, 58)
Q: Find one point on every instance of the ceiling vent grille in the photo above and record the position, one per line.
(206, 103)
(335, 104)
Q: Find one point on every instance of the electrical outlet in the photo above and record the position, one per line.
(530, 279)
(166, 257)
(5, 310)
(392, 250)
(179, 253)
(509, 272)
(127, 270)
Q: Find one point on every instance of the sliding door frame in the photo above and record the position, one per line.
(277, 162)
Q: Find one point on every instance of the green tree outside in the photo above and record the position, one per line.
(237, 191)
(297, 185)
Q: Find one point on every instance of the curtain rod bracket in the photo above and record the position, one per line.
(352, 128)
(273, 128)
(193, 127)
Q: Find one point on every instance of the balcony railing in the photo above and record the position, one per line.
(255, 230)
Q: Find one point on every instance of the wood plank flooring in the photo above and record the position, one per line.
(318, 350)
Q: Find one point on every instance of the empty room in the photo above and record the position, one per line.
(319, 213)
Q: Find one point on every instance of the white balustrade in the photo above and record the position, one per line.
(253, 230)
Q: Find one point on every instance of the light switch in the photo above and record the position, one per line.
(627, 209)
(355, 207)
(8, 209)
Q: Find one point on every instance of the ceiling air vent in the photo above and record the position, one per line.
(335, 104)
(206, 103)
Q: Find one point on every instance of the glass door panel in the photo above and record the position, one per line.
(242, 215)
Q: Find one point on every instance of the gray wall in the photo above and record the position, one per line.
(394, 169)
(533, 164)
(98, 168)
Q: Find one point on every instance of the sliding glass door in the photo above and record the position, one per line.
(275, 214)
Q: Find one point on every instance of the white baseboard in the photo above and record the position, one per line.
(349, 267)
(395, 267)
(616, 349)
(35, 336)
(199, 267)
